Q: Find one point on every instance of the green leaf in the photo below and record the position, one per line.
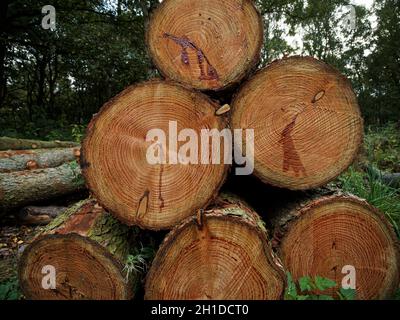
(291, 291)
(306, 284)
(323, 284)
(347, 294)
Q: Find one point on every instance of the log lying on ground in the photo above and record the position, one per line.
(18, 160)
(306, 122)
(221, 254)
(33, 215)
(21, 188)
(115, 155)
(323, 234)
(209, 45)
(24, 144)
(88, 249)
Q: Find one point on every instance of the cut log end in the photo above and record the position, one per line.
(80, 255)
(228, 257)
(141, 179)
(338, 231)
(83, 270)
(306, 120)
(207, 45)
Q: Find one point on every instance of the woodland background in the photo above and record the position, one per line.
(52, 82)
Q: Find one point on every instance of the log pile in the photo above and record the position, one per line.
(32, 175)
(307, 131)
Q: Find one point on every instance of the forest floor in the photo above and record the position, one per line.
(381, 151)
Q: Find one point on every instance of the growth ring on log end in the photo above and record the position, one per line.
(224, 255)
(338, 236)
(209, 45)
(306, 120)
(142, 178)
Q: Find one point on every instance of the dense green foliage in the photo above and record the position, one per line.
(313, 289)
(52, 82)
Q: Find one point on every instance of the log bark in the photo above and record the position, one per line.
(19, 160)
(222, 254)
(21, 188)
(33, 215)
(321, 233)
(7, 143)
(208, 45)
(88, 249)
(306, 121)
(115, 162)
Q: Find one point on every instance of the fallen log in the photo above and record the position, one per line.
(222, 254)
(306, 120)
(34, 216)
(7, 143)
(329, 234)
(19, 160)
(134, 174)
(21, 188)
(87, 249)
(208, 45)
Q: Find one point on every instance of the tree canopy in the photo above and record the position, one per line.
(53, 81)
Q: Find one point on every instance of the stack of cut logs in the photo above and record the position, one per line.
(307, 131)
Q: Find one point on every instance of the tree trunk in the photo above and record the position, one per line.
(35, 216)
(221, 254)
(323, 233)
(88, 249)
(36, 159)
(153, 192)
(208, 45)
(21, 188)
(306, 121)
(23, 144)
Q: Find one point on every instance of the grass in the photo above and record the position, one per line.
(364, 179)
(369, 186)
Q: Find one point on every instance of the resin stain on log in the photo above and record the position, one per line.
(160, 186)
(210, 73)
(143, 204)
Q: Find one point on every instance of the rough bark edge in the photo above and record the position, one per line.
(240, 78)
(224, 122)
(329, 68)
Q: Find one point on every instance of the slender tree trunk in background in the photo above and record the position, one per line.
(41, 69)
(3, 49)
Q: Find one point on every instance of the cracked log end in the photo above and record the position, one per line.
(306, 120)
(227, 258)
(81, 246)
(336, 231)
(138, 192)
(209, 45)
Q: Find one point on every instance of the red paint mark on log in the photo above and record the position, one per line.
(291, 158)
(208, 73)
